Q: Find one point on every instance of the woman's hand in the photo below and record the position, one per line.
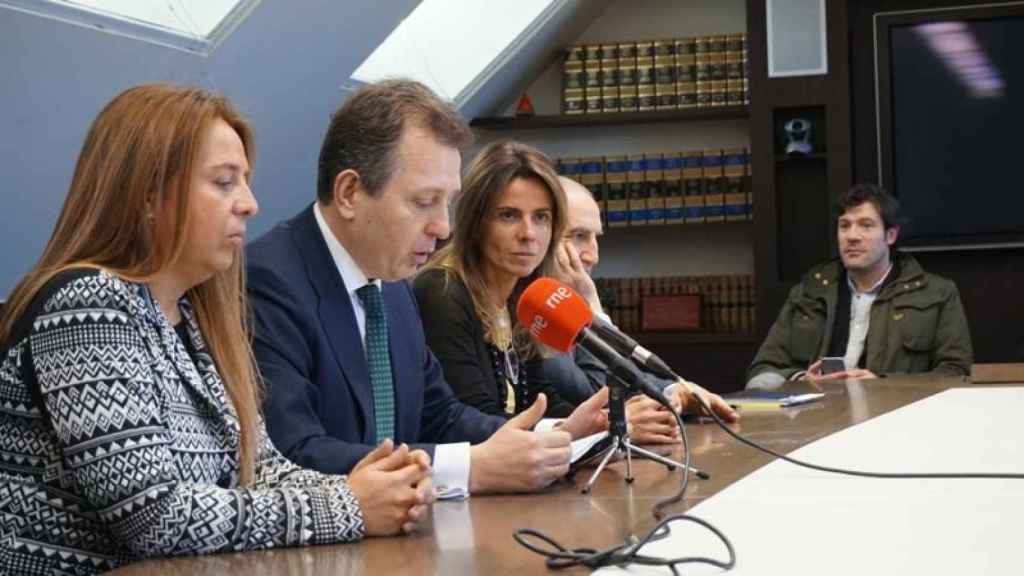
(394, 488)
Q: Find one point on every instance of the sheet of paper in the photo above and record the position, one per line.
(580, 447)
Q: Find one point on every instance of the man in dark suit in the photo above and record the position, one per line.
(338, 337)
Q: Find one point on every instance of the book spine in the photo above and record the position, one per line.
(574, 102)
(734, 92)
(617, 203)
(610, 99)
(592, 76)
(627, 77)
(637, 187)
(625, 304)
(629, 101)
(718, 93)
(716, 58)
(666, 94)
(734, 168)
(717, 71)
(714, 197)
(645, 63)
(646, 94)
(746, 68)
(610, 78)
(686, 60)
(654, 178)
(573, 80)
(570, 168)
(646, 98)
(673, 178)
(593, 101)
(703, 71)
(709, 294)
(724, 304)
(646, 289)
(734, 57)
(693, 187)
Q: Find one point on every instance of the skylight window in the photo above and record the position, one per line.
(196, 26)
(453, 46)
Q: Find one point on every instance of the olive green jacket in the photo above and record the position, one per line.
(917, 325)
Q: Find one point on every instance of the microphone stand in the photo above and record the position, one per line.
(619, 434)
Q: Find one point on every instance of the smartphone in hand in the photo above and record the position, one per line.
(832, 364)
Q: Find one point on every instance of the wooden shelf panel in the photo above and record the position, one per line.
(610, 118)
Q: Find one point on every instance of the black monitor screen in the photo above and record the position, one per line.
(956, 96)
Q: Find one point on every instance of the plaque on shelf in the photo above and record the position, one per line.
(671, 313)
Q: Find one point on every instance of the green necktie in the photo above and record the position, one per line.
(378, 359)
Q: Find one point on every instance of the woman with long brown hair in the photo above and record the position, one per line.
(510, 222)
(507, 217)
(132, 422)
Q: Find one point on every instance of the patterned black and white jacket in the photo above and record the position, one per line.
(118, 442)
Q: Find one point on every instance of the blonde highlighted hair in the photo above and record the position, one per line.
(137, 159)
(486, 179)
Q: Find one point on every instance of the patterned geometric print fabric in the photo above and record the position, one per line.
(378, 358)
(116, 445)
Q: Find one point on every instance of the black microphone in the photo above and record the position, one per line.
(559, 317)
(629, 348)
(619, 366)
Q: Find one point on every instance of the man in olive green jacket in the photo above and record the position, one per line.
(876, 309)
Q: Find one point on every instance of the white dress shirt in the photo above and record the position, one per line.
(451, 461)
(860, 318)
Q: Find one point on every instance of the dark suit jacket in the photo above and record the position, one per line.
(456, 336)
(319, 407)
(579, 375)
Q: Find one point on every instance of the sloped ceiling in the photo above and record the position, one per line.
(286, 67)
(479, 54)
(510, 74)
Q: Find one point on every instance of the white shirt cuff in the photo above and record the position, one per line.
(546, 424)
(451, 466)
(766, 381)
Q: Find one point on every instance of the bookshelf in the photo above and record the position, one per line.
(715, 359)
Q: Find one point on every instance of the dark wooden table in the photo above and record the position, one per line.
(475, 536)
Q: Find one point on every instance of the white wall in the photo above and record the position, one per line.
(660, 250)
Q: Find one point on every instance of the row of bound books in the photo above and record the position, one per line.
(679, 73)
(715, 304)
(690, 187)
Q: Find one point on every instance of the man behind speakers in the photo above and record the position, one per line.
(874, 307)
(338, 336)
(581, 375)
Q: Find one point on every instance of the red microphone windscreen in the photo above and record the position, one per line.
(553, 313)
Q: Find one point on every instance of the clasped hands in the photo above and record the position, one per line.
(814, 374)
